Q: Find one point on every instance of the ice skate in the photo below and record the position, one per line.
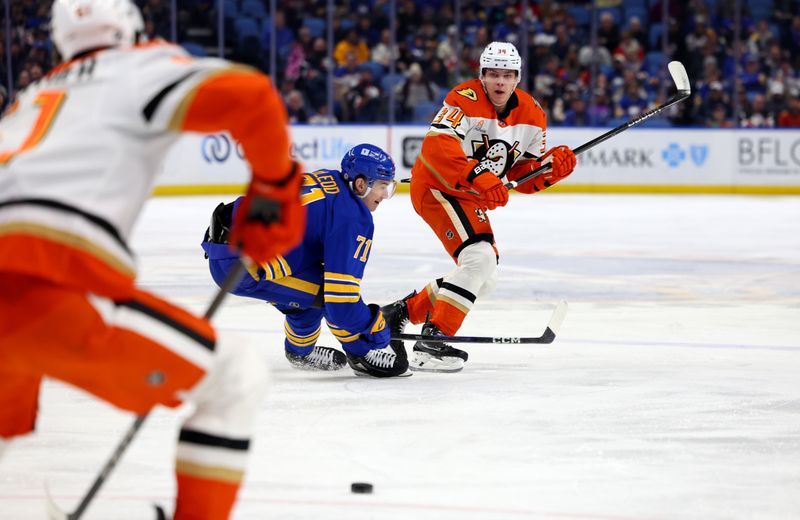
(379, 363)
(434, 356)
(321, 358)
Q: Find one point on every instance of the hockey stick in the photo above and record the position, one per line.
(681, 80)
(53, 511)
(547, 336)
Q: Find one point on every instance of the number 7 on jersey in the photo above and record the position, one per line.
(49, 103)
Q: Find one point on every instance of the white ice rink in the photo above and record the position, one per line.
(671, 392)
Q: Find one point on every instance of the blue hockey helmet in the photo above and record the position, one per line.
(368, 161)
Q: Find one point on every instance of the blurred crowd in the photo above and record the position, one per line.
(749, 82)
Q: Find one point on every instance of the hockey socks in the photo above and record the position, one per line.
(209, 469)
(204, 498)
(448, 317)
(422, 303)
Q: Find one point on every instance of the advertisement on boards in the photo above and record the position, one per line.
(636, 158)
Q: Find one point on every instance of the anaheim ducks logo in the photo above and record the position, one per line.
(468, 93)
(495, 155)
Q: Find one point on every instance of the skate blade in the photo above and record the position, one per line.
(407, 373)
(313, 368)
(422, 362)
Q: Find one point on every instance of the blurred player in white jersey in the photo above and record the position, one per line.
(79, 151)
(487, 133)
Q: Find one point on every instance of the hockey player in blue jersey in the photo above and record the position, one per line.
(321, 277)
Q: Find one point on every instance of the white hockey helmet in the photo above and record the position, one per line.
(501, 55)
(82, 25)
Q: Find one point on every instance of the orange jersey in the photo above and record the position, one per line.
(468, 130)
(81, 148)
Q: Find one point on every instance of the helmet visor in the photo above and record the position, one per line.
(384, 189)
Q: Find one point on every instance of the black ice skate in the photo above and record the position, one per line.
(379, 363)
(396, 316)
(436, 357)
(321, 358)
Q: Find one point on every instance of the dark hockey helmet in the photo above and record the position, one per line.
(368, 161)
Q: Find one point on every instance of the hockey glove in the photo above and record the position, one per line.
(492, 190)
(270, 219)
(562, 161)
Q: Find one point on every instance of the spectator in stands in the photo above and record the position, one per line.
(587, 55)
(562, 42)
(697, 39)
(630, 50)
(413, 90)
(790, 116)
(436, 72)
(447, 50)
(714, 98)
(351, 44)
(718, 117)
(296, 107)
(601, 112)
(313, 84)
(345, 78)
(761, 38)
(365, 28)
(382, 53)
(322, 117)
(757, 114)
(23, 80)
(576, 114)
(544, 83)
(284, 37)
(294, 61)
(36, 72)
(636, 31)
(362, 102)
(752, 79)
(632, 100)
(608, 32)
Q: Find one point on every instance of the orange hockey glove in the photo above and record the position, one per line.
(562, 160)
(493, 192)
(270, 220)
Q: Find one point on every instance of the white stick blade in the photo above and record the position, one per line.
(53, 511)
(558, 316)
(679, 76)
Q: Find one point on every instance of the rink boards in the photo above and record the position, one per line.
(638, 160)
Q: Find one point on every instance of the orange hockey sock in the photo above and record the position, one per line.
(448, 318)
(204, 498)
(421, 304)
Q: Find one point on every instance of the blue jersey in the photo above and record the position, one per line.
(325, 268)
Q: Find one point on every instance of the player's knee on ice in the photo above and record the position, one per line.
(477, 268)
(229, 396)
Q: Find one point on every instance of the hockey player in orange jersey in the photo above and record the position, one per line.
(79, 152)
(488, 132)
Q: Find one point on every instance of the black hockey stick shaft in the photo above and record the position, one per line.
(601, 138)
(231, 281)
(547, 336)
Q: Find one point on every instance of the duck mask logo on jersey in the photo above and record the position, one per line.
(496, 154)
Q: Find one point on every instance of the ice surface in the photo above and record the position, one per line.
(672, 390)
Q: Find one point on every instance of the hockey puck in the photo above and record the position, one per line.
(361, 487)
